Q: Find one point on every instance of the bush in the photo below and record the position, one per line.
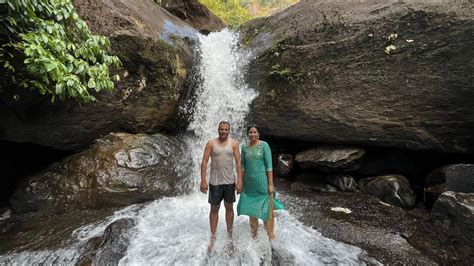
(45, 46)
(237, 12)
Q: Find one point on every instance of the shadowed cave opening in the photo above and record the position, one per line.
(21, 160)
(414, 165)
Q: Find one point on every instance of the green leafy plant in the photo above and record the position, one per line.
(47, 47)
(286, 73)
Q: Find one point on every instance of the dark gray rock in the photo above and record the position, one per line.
(342, 182)
(331, 158)
(378, 229)
(285, 165)
(458, 177)
(431, 194)
(448, 234)
(454, 211)
(194, 13)
(370, 73)
(109, 248)
(393, 189)
(453, 177)
(118, 170)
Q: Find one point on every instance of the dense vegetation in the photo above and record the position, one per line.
(45, 46)
(236, 12)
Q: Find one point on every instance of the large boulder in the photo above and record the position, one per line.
(118, 170)
(110, 247)
(331, 158)
(393, 189)
(156, 51)
(194, 13)
(453, 177)
(369, 73)
(448, 234)
(343, 182)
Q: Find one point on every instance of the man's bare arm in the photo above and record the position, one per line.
(205, 160)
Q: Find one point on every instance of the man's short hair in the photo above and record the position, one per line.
(223, 122)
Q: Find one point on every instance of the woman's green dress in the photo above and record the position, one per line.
(254, 199)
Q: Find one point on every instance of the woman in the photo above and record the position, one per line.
(257, 197)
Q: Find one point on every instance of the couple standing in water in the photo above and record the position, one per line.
(254, 181)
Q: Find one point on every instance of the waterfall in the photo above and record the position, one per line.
(222, 95)
(175, 231)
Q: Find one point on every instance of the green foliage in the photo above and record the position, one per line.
(231, 11)
(286, 73)
(275, 49)
(47, 47)
(237, 12)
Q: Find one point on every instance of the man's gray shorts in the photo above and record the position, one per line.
(217, 193)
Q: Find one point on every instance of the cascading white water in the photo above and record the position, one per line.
(176, 230)
(222, 96)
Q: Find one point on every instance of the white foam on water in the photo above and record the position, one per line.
(175, 231)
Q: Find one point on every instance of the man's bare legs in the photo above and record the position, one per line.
(213, 219)
(229, 217)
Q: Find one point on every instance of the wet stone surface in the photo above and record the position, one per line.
(379, 229)
(45, 232)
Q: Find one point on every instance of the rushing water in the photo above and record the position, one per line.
(176, 230)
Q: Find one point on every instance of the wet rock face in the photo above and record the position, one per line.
(450, 229)
(454, 212)
(322, 182)
(194, 13)
(458, 177)
(454, 177)
(110, 247)
(377, 228)
(156, 50)
(368, 73)
(343, 182)
(119, 170)
(393, 189)
(21, 160)
(330, 158)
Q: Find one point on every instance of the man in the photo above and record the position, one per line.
(223, 151)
